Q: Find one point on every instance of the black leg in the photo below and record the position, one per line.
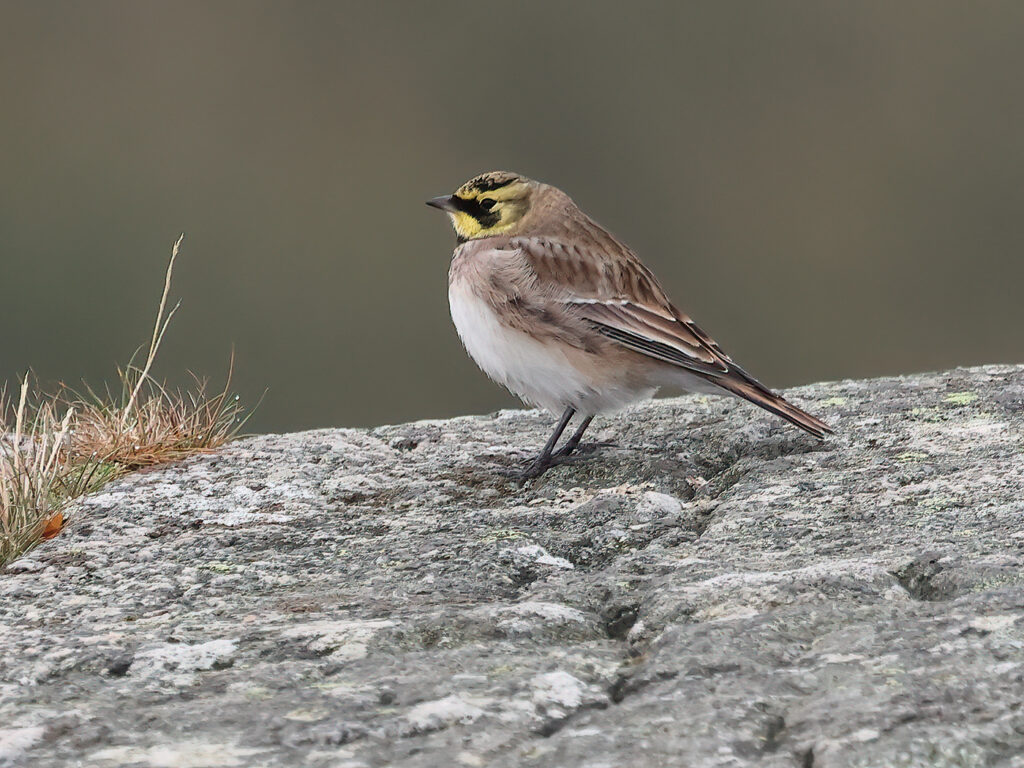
(573, 442)
(543, 462)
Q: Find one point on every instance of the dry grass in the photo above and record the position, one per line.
(157, 427)
(37, 481)
(55, 448)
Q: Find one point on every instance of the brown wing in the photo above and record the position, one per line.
(650, 333)
(604, 283)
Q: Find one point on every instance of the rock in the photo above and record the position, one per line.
(716, 589)
(14, 743)
(181, 659)
(443, 713)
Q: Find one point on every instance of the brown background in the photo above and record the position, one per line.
(832, 189)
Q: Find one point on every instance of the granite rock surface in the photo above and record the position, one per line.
(715, 589)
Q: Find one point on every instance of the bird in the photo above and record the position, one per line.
(551, 305)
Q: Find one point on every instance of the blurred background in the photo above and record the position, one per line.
(831, 189)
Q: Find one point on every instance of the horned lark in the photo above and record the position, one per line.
(555, 308)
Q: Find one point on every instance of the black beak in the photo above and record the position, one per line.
(444, 203)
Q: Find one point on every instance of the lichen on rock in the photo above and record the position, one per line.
(715, 589)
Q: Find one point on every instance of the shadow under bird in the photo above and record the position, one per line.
(553, 307)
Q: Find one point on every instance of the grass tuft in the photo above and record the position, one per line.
(54, 448)
(155, 426)
(37, 481)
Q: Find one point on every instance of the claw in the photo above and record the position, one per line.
(580, 450)
(549, 458)
(539, 466)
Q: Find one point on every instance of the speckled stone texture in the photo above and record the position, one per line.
(717, 589)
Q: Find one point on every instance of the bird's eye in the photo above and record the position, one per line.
(487, 203)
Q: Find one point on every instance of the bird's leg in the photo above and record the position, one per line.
(573, 442)
(544, 462)
(572, 445)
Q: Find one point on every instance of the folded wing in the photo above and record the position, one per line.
(651, 333)
(602, 282)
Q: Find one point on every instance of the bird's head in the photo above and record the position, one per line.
(490, 204)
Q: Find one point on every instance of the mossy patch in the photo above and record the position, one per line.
(219, 566)
(961, 398)
(928, 414)
(911, 456)
(938, 502)
(503, 534)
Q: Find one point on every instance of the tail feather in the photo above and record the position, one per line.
(750, 389)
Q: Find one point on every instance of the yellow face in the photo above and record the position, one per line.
(490, 204)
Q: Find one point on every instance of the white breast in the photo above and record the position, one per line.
(544, 374)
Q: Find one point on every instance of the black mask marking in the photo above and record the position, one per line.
(487, 219)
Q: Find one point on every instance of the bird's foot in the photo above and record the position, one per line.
(567, 455)
(580, 449)
(537, 467)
